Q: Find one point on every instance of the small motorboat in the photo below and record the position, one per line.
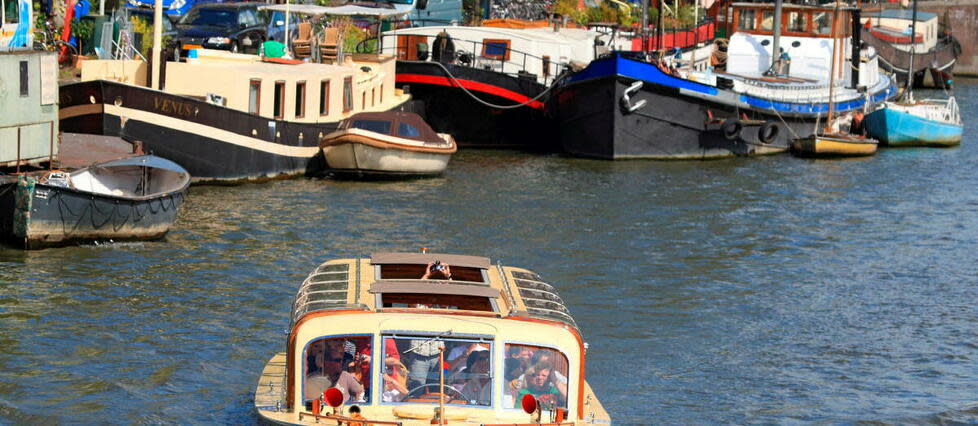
(928, 122)
(833, 145)
(134, 198)
(386, 144)
(356, 325)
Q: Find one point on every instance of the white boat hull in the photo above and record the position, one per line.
(367, 159)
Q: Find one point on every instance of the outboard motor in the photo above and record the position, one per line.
(443, 49)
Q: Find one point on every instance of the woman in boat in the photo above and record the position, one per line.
(395, 380)
(477, 387)
(333, 375)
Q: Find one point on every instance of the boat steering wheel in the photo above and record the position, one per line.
(420, 392)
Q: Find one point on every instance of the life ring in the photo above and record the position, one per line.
(731, 128)
(768, 132)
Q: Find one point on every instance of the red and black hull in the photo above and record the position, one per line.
(471, 115)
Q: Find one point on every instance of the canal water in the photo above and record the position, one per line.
(755, 290)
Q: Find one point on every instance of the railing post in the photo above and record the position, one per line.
(18, 149)
(51, 146)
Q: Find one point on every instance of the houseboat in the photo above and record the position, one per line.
(773, 88)
(422, 338)
(487, 86)
(935, 50)
(227, 116)
(386, 145)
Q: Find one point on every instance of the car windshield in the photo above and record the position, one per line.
(216, 17)
(412, 373)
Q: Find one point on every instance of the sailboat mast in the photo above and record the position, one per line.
(913, 45)
(835, 22)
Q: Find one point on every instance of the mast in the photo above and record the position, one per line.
(645, 27)
(157, 42)
(835, 22)
(913, 46)
(775, 54)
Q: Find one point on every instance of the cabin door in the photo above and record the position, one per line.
(407, 47)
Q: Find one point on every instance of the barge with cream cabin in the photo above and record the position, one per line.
(469, 349)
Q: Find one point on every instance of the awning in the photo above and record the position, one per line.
(424, 258)
(432, 287)
(346, 10)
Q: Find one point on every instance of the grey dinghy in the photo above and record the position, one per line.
(133, 198)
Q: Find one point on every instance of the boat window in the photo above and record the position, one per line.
(822, 22)
(324, 97)
(12, 13)
(348, 94)
(539, 371)
(254, 96)
(747, 19)
(300, 99)
(395, 271)
(797, 22)
(406, 130)
(378, 126)
(767, 20)
(412, 372)
(24, 84)
(437, 301)
(495, 49)
(340, 362)
(279, 105)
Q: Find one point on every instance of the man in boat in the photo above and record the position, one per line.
(437, 271)
(333, 376)
(540, 384)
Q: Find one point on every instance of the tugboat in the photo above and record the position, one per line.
(423, 338)
(774, 87)
(386, 144)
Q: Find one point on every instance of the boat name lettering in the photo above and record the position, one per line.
(172, 107)
(41, 193)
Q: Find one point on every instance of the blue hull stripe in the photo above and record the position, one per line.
(618, 66)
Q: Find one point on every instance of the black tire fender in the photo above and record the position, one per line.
(731, 128)
(768, 132)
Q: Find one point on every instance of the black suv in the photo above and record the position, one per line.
(237, 27)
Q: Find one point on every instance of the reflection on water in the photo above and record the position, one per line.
(748, 290)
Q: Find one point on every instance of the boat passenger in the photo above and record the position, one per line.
(478, 387)
(395, 380)
(437, 271)
(355, 414)
(540, 384)
(422, 362)
(333, 375)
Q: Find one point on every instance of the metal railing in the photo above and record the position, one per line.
(51, 137)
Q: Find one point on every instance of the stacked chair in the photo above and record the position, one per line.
(302, 44)
(329, 46)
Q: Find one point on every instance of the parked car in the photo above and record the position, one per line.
(237, 27)
(276, 25)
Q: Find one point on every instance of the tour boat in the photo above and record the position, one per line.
(134, 198)
(636, 105)
(477, 344)
(383, 144)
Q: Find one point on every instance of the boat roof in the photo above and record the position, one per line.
(387, 282)
(903, 14)
(532, 34)
(425, 132)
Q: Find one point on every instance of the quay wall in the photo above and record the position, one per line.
(963, 17)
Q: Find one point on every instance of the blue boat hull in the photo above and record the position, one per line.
(898, 128)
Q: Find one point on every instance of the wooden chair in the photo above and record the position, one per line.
(329, 46)
(302, 45)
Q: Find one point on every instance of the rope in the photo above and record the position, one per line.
(489, 104)
(785, 123)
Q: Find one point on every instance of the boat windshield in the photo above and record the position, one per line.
(412, 374)
(538, 371)
(340, 362)
(378, 126)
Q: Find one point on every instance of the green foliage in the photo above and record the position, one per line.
(146, 29)
(83, 29)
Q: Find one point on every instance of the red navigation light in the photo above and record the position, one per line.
(529, 404)
(333, 397)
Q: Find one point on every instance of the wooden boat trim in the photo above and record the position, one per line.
(381, 141)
